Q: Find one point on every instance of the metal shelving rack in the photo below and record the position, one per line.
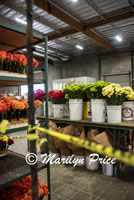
(19, 81)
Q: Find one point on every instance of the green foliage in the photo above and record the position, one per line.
(74, 92)
(94, 90)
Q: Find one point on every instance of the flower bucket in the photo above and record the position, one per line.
(50, 109)
(114, 114)
(75, 108)
(85, 110)
(40, 110)
(98, 109)
(107, 169)
(58, 110)
(92, 166)
(66, 113)
(128, 111)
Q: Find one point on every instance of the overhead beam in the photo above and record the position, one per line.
(119, 15)
(10, 4)
(58, 13)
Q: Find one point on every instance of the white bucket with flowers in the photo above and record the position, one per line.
(128, 105)
(98, 102)
(58, 99)
(115, 97)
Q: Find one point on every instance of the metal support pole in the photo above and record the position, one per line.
(47, 120)
(99, 65)
(132, 69)
(31, 109)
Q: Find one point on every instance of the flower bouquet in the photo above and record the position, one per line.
(94, 93)
(115, 96)
(58, 99)
(4, 146)
(128, 104)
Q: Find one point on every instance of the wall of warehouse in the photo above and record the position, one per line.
(87, 65)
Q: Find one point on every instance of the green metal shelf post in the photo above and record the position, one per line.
(47, 120)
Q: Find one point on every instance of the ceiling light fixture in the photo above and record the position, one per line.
(79, 47)
(118, 38)
(74, 0)
(20, 21)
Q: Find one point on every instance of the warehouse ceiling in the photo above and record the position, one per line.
(93, 25)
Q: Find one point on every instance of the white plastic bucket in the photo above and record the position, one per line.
(107, 169)
(50, 109)
(66, 113)
(80, 157)
(58, 110)
(98, 108)
(114, 114)
(44, 107)
(40, 110)
(93, 165)
(75, 109)
(128, 111)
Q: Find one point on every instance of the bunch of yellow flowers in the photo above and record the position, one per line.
(129, 93)
(113, 89)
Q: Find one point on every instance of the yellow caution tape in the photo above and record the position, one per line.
(3, 126)
(124, 157)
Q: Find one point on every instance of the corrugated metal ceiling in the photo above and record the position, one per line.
(82, 10)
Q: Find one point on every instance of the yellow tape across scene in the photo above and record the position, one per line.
(124, 157)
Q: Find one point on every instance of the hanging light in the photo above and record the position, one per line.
(79, 47)
(20, 21)
(118, 38)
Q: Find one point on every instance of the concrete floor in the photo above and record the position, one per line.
(68, 183)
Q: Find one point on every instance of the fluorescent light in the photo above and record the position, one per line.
(79, 47)
(38, 54)
(117, 37)
(74, 0)
(20, 21)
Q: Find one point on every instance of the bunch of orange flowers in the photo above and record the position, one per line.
(19, 58)
(37, 103)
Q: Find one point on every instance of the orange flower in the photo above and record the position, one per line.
(37, 103)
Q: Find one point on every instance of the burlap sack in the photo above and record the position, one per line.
(59, 143)
(53, 127)
(79, 152)
(92, 133)
(76, 131)
(103, 138)
(53, 149)
(43, 147)
(65, 152)
(87, 153)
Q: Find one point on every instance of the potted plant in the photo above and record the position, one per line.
(58, 99)
(40, 95)
(115, 96)
(128, 105)
(98, 103)
(75, 95)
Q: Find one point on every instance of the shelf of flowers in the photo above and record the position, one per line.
(109, 102)
(15, 111)
(15, 63)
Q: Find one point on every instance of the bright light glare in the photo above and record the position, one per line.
(74, 0)
(117, 37)
(21, 21)
(79, 47)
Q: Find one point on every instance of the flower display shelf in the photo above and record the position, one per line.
(18, 169)
(6, 80)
